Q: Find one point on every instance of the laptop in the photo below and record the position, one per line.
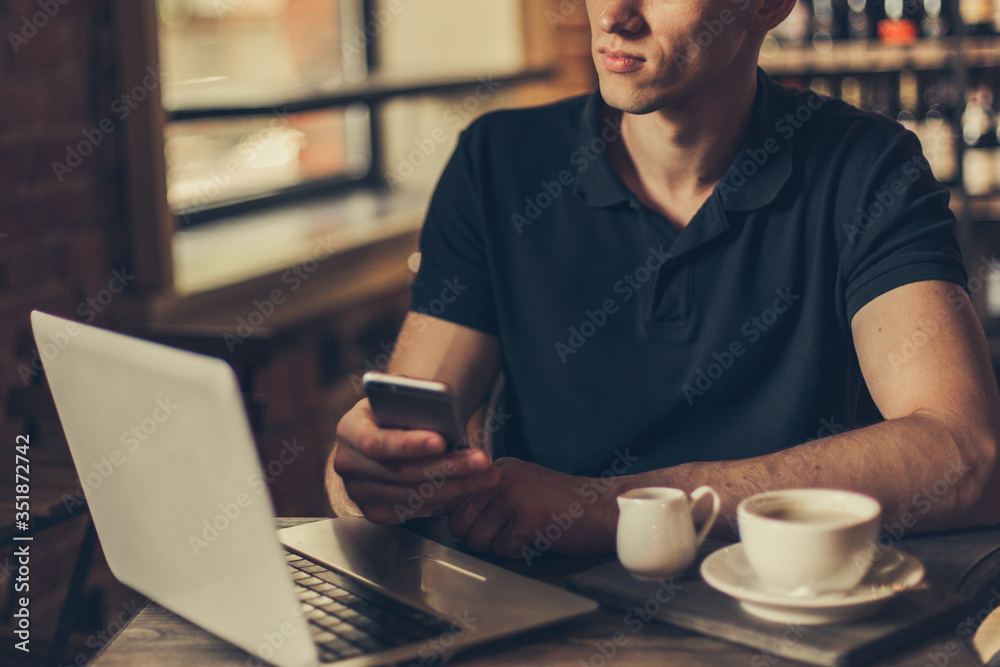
(160, 441)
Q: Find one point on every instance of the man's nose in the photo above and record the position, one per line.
(621, 16)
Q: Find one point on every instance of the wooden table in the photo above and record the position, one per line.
(969, 560)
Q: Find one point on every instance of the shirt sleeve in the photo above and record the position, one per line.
(453, 282)
(901, 229)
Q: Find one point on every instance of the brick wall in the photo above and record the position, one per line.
(58, 242)
(56, 83)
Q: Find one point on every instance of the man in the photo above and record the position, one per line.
(694, 277)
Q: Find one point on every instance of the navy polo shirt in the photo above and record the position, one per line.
(728, 340)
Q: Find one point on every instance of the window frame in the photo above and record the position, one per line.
(151, 224)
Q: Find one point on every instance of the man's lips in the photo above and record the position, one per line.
(620, 62)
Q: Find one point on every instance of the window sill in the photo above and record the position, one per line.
(314, 257)
(256, 244)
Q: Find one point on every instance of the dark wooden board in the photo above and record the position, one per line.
(694, 605)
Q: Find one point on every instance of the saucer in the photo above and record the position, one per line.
(728, 571)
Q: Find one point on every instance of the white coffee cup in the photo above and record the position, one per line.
(656, 536)
(805, 542)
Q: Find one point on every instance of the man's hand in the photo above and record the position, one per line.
(394, 475)
(530, 500)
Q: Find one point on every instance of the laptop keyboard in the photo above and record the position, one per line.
(348, 619)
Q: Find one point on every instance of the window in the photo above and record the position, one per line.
(282, 123)
(247, 87)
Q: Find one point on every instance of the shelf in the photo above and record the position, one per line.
(976, 208)
(375, 89)
(984, 207)
(981, 51)
(873, 56)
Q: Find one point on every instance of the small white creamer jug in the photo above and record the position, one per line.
(656, 536)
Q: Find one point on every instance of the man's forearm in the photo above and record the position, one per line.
(926, 475)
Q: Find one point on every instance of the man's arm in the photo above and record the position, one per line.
(376, 472)
(933, 464)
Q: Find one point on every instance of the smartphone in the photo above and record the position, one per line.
(403, 402)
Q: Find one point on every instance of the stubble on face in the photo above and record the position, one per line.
(688, 48)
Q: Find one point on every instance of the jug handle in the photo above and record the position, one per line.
(697, 495)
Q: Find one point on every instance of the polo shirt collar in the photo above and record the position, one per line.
(599, 184)
(764, 163)
(742, 188)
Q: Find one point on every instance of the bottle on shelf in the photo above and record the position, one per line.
(795, 29)
(855, 92)
(936, 132)
(827, 23)
(993, 291)
(821, 85)
(935, 22)
(859, 25)
(977, 15)
(901, 22)
(979, 135)
(884, 100)
(909, 100)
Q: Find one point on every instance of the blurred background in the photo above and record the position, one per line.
(247, 178)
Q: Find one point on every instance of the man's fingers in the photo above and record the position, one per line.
(358, 429)
(435, 469)
(414, 500)
(388, 444)
(490, 523)
(452, 465)
(510, 542)
(463, 517)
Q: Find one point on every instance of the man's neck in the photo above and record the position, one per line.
(673, 158)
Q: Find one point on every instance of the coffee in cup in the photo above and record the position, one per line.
(809, 541)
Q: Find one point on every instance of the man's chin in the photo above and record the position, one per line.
(630, 101)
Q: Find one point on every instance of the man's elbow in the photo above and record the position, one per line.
(978, 488)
